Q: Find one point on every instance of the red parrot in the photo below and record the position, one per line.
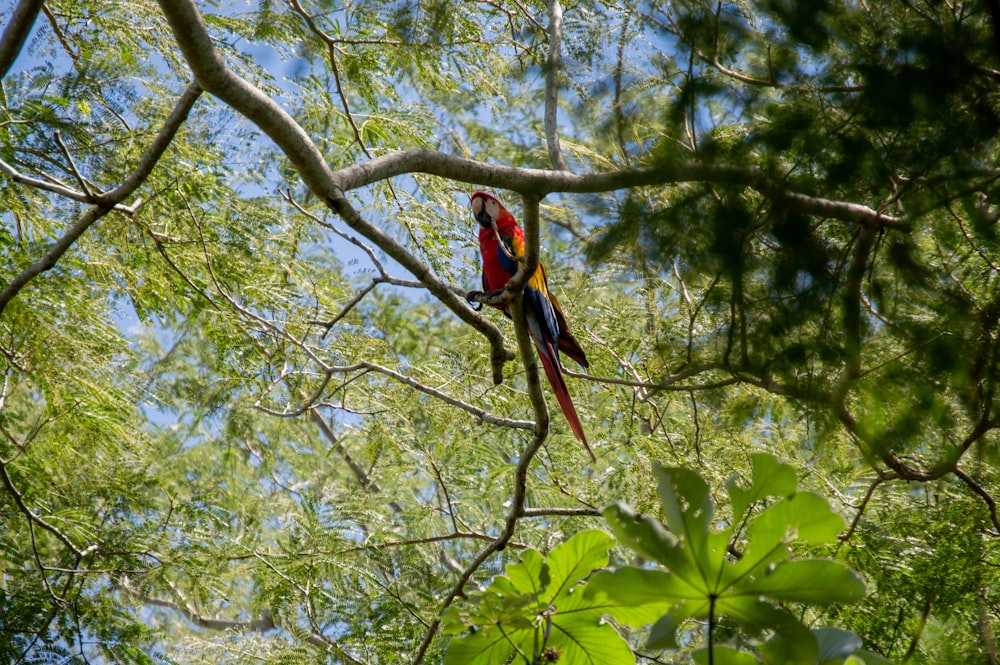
(501, 242)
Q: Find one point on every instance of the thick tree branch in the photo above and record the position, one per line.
(16, 32)
(542, 182)
(553, 66)
(196, 45)
(105, 202)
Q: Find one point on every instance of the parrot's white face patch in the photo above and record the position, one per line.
(492, 208)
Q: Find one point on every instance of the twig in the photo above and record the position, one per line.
(844, 537)
(35, 519)
(983, 494)
(107, 201)
(84, 185)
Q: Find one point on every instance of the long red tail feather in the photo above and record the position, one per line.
(555, 376)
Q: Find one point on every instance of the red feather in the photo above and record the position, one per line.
(501, 242)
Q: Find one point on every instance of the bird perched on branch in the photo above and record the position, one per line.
(501, 242)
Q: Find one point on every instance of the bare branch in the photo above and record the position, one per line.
(481, 414)
(16, 32)
(861, 507)
(541, 182)
(363, 478)
(553, 66)
(57, 188)
(332, 56)
(262, 624)
(983, 494)
(84, 185)
(567, 512)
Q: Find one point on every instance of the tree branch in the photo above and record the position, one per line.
(16, 32)
(103, 203)
(553, 66)
(542, 182)
(527, 350)
(196, 46)
(35, 519)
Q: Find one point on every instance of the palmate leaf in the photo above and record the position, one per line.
(701, 583)
(650, 539)
(540, 605)
(770, 478)
(812, 581)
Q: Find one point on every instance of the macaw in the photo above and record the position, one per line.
(501, 242)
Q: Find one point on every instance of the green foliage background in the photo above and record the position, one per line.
(217, 442)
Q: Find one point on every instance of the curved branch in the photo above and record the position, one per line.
(103, 203)
(481, 414)
(542, 182)
(525, 347)
(196, 45)
(983, 494)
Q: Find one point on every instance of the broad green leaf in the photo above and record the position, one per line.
(835, 644)
(481, 648)
(663, 634)
(647, 536)
(724, 655)
(636, 596)
(688, 509)
(792, 641)
(687, 504)
(596, 645)
(812, 581)
(526, 575)
(769, 478)
(573, 560)
(803, 517)
(574, 627)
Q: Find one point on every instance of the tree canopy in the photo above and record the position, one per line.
(249, 410)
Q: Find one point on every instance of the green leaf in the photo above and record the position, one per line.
(597, 645)
(803, 517)
(769, 478)
(835, 644)
(812, 581)
(792, 642)
(573, 560)
(663, 634)
(688, 509)
(579, 634)
(526, 575)
(687, 504)
(481, 648)
(724, 655)
(647, 536)
(636, 596)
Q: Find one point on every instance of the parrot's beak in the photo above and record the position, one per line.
(481, 211)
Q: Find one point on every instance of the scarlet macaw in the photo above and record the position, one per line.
(501, 242)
